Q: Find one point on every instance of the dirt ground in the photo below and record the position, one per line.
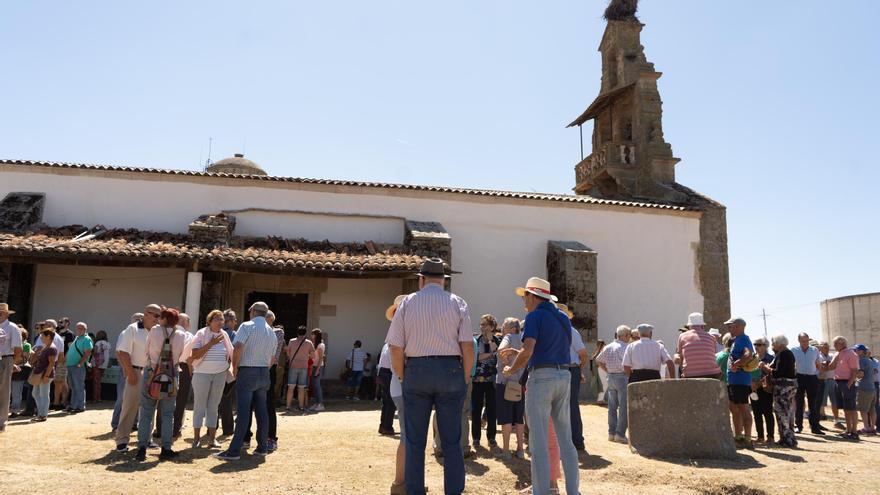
(340, 452)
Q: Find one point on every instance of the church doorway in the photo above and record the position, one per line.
(291, 310)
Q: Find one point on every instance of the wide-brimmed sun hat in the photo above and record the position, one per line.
(695, 319)
(4, 308)
(565, 309)
(538, 287)
(389, 313)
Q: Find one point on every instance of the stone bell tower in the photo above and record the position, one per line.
(629, 158)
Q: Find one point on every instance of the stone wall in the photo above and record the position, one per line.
(214, 285)
(712, 263)
(571, 271)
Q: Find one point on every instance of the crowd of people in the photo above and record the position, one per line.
(522, 375)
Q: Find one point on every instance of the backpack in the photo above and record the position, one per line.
(162, 383)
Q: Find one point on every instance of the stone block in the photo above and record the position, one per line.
(680, 419)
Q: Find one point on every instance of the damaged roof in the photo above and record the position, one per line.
(272, 253)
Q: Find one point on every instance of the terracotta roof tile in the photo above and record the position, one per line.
(274, 253)
(564, 198)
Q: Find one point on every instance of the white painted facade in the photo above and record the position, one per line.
(647, 270)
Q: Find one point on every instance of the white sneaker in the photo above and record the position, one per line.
(620, 439)
(318, 407)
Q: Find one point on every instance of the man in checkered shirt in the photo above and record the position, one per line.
(611, 360)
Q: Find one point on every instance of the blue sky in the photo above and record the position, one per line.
(772, 107)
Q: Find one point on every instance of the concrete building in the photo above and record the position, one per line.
(855, 317)
(98, 242)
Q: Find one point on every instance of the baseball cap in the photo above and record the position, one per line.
(735, 320)
(861, 347)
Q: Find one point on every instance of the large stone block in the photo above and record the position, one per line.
(680, 418)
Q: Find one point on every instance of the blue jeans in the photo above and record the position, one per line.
(316, 385)
(17, 386)
(76, 376)
(148, 410)
(617, 420)
(428, 383)
(577, 426)
(547, 398)
(354, 381)
(41, 397)
(251, 387)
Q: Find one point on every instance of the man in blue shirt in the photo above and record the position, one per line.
(739, 381)
(546, 341)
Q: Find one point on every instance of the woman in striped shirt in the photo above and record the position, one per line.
(210, 360)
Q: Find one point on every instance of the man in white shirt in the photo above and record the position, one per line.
(131, 352)
(610, 359)
(642, 359)
(808, 362)
(10, 355)
(355, 362)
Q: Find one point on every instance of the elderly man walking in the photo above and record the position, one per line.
(807, 364)
(131, 352)
(546, 342)
(611, 360)
(696, 350)
(431, 342)
(643, 359)
(254, 351)
(10, 355)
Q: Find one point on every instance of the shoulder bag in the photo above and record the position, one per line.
(35, 380)
(162, 383)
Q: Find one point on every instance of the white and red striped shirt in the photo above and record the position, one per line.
(697, 350)
(431, 322)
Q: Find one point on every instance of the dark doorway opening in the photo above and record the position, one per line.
(291, 310)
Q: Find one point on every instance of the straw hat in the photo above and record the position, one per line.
(389, 313)
(4, 308)
(538, 287)
(566, 310)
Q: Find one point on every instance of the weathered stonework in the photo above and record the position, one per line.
(212, 229)
(712, 263)
(572, 273)
(20, 211)
(429, 239)
(16, 289)
(213, 294)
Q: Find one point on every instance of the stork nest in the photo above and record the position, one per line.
(622, 10)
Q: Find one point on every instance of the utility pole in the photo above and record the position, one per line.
(764, 315)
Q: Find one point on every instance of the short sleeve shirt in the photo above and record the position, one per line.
(431, 322)
(10, 337)
(156, 341)
(847, 361)
(866, 383)
(577, 345)
(739, 377)
(78, 349)
(513, 341)
(551, 331)
(806, 360)
(259, 343)
(133, 341)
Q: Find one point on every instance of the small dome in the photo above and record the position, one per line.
(238, 164)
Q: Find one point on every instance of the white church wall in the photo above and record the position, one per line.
(646, 258)
(360, 315)
(103, 297)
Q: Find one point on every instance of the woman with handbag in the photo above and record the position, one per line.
(510, 404)
(210, 361)
(761, 398)
(43, 373)
(783, 376)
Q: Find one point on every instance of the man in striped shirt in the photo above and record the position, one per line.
(431, 342)
(255, 345)
(696, 350)
(611, 360)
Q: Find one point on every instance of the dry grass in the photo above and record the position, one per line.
(339, 452)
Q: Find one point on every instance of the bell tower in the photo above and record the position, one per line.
(629, 158)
